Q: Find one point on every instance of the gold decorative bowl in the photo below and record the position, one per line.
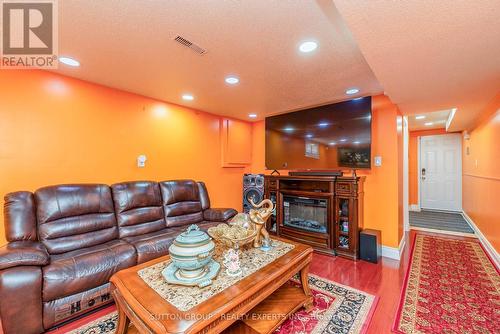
(235, 235)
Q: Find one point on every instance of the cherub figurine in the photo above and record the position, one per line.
(232, 263)
(259, 217)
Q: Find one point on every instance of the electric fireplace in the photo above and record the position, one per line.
(304, 213)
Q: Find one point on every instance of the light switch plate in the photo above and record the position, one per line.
(378, 161)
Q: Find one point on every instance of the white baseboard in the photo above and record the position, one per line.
(393, 252)
(486, 244)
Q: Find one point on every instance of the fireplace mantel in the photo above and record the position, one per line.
(325, 212)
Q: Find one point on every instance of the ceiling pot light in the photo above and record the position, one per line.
(420, 117)
(352, 91)
(309, 136)
(332, 143)
(187, 97)
(232, 80)
(428, 123)
(356, 142)
(288, 129)
(323, 124)
(252, 115)
(69, 61)
(308, 46)
(343, 140)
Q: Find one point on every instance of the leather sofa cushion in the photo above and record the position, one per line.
(181, 202)
(86, 268)
(221, 214)
(23, 253)
(153, 245)
(63, 309)
(71, 217)
(138, 208)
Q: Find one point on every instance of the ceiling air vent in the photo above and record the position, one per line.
(196, 48)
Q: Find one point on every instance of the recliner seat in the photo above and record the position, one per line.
(66, 241)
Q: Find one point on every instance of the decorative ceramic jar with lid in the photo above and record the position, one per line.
(191, 254)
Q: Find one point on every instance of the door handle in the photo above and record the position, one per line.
(422, 174)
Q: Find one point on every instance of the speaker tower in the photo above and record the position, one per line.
(253, 188)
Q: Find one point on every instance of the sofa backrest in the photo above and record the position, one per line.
(181, 202)
(75, 216)
(138, 207)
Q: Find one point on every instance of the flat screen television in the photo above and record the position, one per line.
(330, 137)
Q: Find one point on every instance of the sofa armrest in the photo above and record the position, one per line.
(219, 214)
(23, 253)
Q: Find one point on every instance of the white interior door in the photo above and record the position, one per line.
(441, 172)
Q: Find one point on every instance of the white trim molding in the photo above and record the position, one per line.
(393, 252)
(486, 244)
(415, 207)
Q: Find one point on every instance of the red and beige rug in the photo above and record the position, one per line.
(451, 286)
(338, 309)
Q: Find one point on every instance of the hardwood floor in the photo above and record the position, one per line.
(384, 280)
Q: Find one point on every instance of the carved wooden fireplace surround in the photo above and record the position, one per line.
(324, 212)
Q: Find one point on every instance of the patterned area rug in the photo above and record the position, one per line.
(451, 287)
(337, 309)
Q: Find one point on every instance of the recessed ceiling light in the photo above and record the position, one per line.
(332, 143)
(252, 115)
(309, 135)
(232, 80)
(428, 123)
(308, 46)
(69, 61)
(323, 124)
(188, 97)
(352, 91)
(343, 140)
(420, 117)
(288, 129)
(356, 142)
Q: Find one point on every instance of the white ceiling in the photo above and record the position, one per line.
(431, 55)
(128, 44)
(437, 118)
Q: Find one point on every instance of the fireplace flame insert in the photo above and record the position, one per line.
(305, 213)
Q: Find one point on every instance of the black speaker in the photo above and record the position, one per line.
(370, 248)
(253, 188)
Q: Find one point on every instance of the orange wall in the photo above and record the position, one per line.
(55, 129)
(382, 207)
(481, 181)
(413, 160)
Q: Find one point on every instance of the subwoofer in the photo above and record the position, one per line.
(370, 248)
(253, 188)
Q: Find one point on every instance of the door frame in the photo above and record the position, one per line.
(406, 175)
(419, 153)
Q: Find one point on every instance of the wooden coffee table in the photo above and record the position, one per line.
(259, 303)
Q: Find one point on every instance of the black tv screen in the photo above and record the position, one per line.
(330, 137)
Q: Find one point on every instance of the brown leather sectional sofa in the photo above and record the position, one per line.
(66, 241)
